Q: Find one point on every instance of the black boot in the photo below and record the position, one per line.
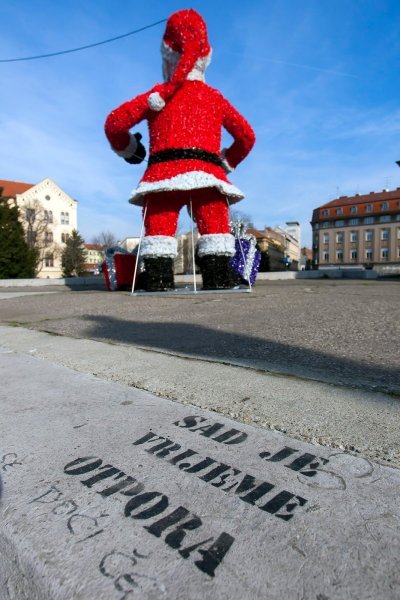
(159, 274)
(216, 272)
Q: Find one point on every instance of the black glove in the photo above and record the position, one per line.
(140, 153)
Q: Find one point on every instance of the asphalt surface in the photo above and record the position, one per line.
(341, 332)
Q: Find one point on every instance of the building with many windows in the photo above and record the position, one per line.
(358, 231)
(48, 216)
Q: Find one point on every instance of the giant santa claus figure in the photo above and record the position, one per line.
(186, 165)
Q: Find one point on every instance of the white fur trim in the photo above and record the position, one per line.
(168, 53)
(192, 180)
(222, 244)
(130, 150)
(155, 102)
(159, 245)
(226, 165)
(198, 71)
(170, 60)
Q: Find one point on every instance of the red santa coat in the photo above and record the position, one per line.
(192, 119)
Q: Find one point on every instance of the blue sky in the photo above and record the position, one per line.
(317, 79)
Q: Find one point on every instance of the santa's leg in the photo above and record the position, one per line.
(216, 244)
(159, 245)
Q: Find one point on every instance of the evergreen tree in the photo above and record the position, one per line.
(73, 256)
(17, 260)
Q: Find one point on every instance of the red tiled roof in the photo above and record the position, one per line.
(11, 188)
(375, 199)
(359, 199)
(257, 234)
(97, 247)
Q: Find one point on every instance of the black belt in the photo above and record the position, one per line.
(185, 154)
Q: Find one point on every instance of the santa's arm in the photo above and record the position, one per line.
(120, 121)
(242, 134)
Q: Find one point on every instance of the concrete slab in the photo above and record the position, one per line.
(10, 295)
(65, 281)
(112, 492)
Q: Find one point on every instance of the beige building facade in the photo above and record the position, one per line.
(94, 256)
(48, 215)
(358, 231)
(279, 249)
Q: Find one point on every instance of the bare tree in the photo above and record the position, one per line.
(37, 223)
(237, 215)
(105, 239)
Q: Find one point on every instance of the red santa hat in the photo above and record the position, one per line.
(186, 39)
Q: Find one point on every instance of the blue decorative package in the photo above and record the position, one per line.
(246, 260)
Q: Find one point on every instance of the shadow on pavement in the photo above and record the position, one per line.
(204, 342)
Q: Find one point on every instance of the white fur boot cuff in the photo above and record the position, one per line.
(158, 245)
(217, 243)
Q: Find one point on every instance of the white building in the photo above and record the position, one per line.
(48, 215)
(291, 234)
(129, 243)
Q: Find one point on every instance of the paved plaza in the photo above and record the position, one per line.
(225, 446)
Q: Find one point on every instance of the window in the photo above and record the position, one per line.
(354, 221)
(398, 217)
(64, 237)
(339, 255)
(385, 253)
(326, 225)
(384, 234)
(50, 213)
(339, 211)
(64, 218)
(385, 206)
(384, 219)
(339, 223)
(368, 220)
(325, 213)
(368, 208)
(353, 254)
(369, 235)
(47, 197)
(353, 210)
(325, 256)
(368, 254)
(30, 215)
(353, 236)
(48, 237)
(326, 238)
(49, 260)
(339, 238)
